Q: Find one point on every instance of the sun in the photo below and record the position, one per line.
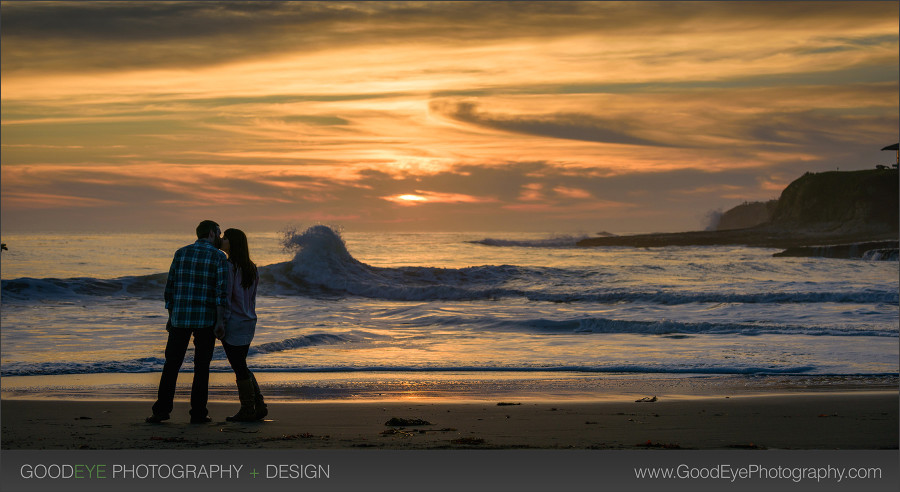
(412, 198)
(408, 199)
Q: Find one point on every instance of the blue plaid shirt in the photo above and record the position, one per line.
(197, 283)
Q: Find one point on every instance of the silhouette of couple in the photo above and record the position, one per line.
(210, 295)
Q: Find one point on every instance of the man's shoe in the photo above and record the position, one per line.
(156, 419)
(200, 420)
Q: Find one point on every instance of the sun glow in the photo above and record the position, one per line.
(422, 196)
(412, 198)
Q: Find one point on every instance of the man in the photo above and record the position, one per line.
(196, 300)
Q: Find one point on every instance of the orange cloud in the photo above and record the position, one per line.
(572, 192)
(531, 192)
(723, 188)
(586, 210)
(49, 201)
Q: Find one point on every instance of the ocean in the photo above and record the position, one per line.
(359, 316)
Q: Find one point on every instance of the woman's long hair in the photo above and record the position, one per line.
(239, 255)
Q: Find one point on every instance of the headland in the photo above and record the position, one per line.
(858, 210)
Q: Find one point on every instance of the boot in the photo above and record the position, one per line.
(245, 394)
(258, 402)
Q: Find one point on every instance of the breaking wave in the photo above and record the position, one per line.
(323, 267)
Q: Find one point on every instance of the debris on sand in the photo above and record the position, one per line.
(468, 441)
(746, 446)
(398, 432)
(240, 430)
(648, 399)
(168, 439)
(398, 422)
(294, 437)
(651, 444)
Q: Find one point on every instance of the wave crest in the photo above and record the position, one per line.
(323, 266)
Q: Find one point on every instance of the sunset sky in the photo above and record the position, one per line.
(451, 116)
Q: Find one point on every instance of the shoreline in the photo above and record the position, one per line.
(800, 420)
(443, 387)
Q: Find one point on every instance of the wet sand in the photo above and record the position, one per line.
(825, 420)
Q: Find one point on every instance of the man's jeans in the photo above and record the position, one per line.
(176, 347)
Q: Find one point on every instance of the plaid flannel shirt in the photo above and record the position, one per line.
(197, 283)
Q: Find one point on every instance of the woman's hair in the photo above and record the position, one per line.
(239, 255)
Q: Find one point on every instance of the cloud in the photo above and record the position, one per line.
(496, 114)
(61, 36)
(167, 197)
(599, 209)
(576, 193)
(571, 126)
(532, 192)
(53, 201)
(713, 189)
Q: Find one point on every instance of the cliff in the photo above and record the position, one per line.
(828, 208)
(747, 215)
(841, 202)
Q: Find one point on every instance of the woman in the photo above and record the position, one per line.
(240, 324)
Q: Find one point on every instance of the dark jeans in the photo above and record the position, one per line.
(176, 347)
(237, 357)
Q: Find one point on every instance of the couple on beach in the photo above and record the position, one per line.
(210, 295)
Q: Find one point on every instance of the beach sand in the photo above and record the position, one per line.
(814, 420)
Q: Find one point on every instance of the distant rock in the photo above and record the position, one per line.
(885, 254)
(877, 250)
(822, 209)
(748, 214)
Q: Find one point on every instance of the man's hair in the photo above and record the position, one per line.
(205, 228)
